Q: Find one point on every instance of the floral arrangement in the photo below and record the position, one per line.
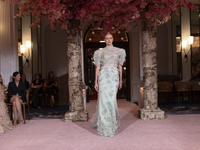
(111, 15)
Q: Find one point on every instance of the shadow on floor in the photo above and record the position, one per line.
(57, 112)
(180, 109)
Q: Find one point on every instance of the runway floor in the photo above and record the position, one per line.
(175, 132)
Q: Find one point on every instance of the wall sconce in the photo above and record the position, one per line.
(22, 50)
(191, 39)
(184, 45)
(28, 44)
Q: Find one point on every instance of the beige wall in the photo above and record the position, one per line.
(26, 36)
(54, 57)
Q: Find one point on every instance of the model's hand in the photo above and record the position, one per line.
(120, 84)
(96, 87)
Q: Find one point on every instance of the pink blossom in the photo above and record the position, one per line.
(120, 14)
(190, 5)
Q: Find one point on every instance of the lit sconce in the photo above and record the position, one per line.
(122, 38)
(191, 39)
(184, 46)
(93, 32)
(90, 39)
(23, 49)
(118, 32)
(28, 44)
(124, 68)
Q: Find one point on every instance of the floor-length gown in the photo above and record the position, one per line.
(107, 119)
(5, 123)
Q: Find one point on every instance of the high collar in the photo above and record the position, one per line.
(109, 46)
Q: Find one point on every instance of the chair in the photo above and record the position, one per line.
(195, 88)
(182, 87)
(24, 104)
(165, 87)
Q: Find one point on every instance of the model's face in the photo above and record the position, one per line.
(17, 77)
(108, 39)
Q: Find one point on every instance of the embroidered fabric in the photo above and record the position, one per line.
(107, 119)
(5, 123)
(109, 56)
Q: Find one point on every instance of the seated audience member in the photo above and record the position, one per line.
(36, 87)
(5, 123)
(17, 95)
(51, 87)
(23, 79)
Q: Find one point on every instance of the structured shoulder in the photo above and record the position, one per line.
(97, 52)
(122, 51)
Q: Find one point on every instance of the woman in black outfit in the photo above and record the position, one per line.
(16, 95)
(36, 87)
(23, 79)
(51, 86)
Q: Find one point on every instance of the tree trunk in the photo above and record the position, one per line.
(150, 110)
(76, 110)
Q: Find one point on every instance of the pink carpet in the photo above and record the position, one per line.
(181, 132)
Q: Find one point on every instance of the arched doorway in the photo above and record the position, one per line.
(93, 40)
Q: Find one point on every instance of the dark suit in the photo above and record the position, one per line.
(14, 90)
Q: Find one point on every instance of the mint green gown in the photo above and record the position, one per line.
(107, 119)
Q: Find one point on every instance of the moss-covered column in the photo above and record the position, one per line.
(150, 110)
(76, 110)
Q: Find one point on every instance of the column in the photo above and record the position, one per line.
(151, 109)
(76, 110)
(185, 33)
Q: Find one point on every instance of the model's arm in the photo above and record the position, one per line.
(120, 76)
(96, 78)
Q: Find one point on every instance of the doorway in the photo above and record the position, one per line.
(93, 40)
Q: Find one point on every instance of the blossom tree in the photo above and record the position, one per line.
(111, 15)
(69, 14)
(155, 12)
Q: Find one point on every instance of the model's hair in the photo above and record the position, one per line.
(15, 74)
(107, 34)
